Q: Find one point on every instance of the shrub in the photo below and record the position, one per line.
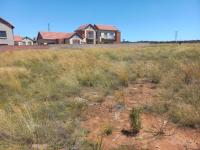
(185, 114)
(135, 119)
(107, 129)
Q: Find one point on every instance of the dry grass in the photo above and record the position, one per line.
(35, 87)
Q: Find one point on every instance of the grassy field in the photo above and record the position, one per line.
(42, 92)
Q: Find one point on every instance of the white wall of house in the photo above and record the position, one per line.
(24, 42)
(27, 41)
(90, 29)
(9, 39)
(109, 35)
(75, 37)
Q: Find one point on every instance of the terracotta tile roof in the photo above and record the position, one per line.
(99, 27)
(6, 23)
(82, 27)
(56, 35)
(106, 27)
(18, 38)
(69, 35)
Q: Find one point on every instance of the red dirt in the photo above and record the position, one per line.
(175, 138)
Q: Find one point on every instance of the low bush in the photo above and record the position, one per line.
(135, 119)
(107, 129)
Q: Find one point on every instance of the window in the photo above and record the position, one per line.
(111, 35)
(90, 35)
(3, 35)
(108, 35)
(105, 35)
(102, 34)
(30, 43)
(24, 43)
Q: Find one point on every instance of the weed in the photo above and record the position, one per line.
(162, 128)
(135, 119)
(98, 145)
(107, 129)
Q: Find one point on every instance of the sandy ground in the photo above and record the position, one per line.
(109, 112)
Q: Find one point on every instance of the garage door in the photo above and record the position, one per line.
(76, 41)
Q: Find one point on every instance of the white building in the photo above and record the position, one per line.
(6, 33)
(23, 41)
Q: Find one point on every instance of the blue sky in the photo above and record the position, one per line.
(137, 19)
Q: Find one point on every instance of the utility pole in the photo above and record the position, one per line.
(49, 27)
(176, 36)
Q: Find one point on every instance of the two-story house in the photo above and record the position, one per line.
(85, 34)
(6, 33)
(107, 34)
(99, 34)
(88, 33)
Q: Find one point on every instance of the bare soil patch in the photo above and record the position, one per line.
(114, 111)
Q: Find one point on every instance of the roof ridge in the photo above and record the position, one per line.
(6, 23)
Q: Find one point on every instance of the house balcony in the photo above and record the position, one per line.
(90, 36)
(108, 36)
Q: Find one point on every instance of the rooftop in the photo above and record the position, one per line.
(18, 38)
(6, 23)
(56, 35)
(106, 27)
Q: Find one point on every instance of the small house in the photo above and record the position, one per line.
(6, 33)
(45, 38)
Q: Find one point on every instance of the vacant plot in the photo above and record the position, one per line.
(47, 97)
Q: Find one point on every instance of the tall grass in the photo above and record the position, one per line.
(36, 88)
(178, 78)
